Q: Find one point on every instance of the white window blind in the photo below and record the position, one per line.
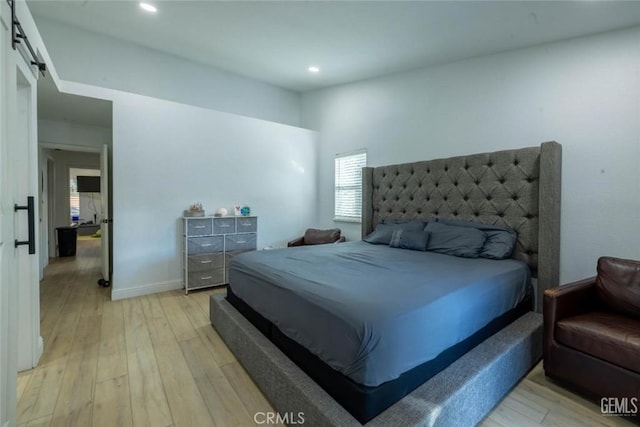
(348, 191)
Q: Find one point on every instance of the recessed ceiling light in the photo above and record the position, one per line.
(148, 7)
(313, 69)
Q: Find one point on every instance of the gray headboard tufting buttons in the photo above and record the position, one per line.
(518, 188)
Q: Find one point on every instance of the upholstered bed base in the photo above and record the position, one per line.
(460, 395)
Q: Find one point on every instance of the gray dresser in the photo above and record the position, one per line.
(210, 243)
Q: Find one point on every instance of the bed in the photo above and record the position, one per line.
(380, 354)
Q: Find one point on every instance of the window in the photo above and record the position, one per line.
(348, 190)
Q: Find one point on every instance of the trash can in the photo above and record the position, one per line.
(67, 237)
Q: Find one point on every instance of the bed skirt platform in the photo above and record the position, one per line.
(461, 395)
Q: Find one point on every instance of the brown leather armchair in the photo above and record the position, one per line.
(318, 237)
(592, 331)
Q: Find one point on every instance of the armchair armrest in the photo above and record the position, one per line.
(571, 299)
(296, 242)
(565, 301)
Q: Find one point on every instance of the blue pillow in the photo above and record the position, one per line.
(414, 240)
(464, 242)
(383, 232)
(500, 243)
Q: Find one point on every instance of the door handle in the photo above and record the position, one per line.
(32, 228)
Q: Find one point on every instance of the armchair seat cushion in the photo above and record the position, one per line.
(608, 336)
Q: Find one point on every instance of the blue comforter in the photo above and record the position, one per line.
(373, 312)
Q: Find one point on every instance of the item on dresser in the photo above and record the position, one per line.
(221, 212)
(210, 243)
(245, 211)
(195, 210)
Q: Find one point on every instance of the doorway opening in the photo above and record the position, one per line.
(74, 139)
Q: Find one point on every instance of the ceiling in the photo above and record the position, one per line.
(275, 42)
(54, 105)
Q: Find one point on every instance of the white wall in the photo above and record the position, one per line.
(167, 156)
(583, 93)
(99, 60)
(72, 136)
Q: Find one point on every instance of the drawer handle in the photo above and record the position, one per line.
(206, 277)
(206, 262)
(200, 226)
(225, 226)
(246, 224)
(204, 245)
(241, 242)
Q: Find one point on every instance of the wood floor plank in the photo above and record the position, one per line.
(180, 324)
(112, 358)
(186, 403)
(506, 416)
(537, 377)
(39, 398)
(532, 412)
(148, 401)
(94, 299)
(75, 400)
(224, 404)
(523, 398)
(40, 422)
(53, 297)
(202, 298)
(23, 381)
(563, 404)
(200, 321)
(251, 396)
(489, 421)
(112, 406)
(563, 418)
(151, 307)
(64, 330)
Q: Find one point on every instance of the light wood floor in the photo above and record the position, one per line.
(156, 361)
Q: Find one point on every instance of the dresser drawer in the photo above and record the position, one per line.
(246, 225)
(214, 276)
(205, 262)
(199, 227)
(224, 225)
(205, 245)
(240, 242)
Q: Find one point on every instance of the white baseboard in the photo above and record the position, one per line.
(39, 351)
(152, 288)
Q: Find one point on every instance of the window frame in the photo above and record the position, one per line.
(357, 216)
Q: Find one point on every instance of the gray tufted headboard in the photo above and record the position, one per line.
(518, 188)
